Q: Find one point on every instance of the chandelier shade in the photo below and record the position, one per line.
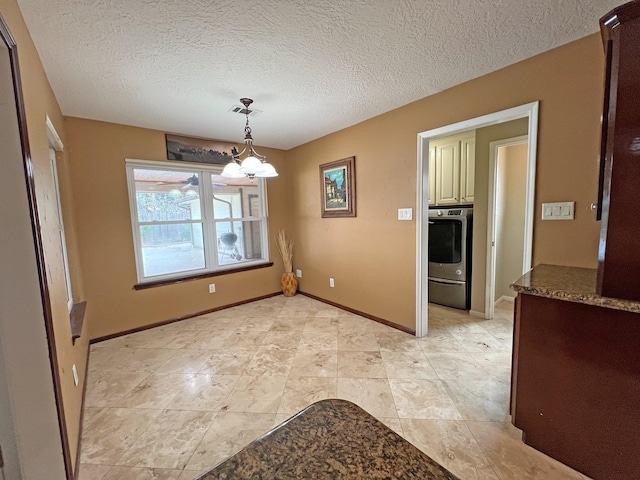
(232, 170)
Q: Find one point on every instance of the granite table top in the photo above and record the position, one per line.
(330, 439)
(573, 284)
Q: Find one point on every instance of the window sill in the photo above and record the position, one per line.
(76, 316)
(188, 278)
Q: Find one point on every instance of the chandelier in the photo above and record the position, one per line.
(254, 165)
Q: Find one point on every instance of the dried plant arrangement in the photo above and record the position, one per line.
(285, 247)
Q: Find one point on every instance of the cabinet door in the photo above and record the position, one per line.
(467, 170)
(448, 173)
(619, 247)
(432, 175)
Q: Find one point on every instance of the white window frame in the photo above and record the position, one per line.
(210, 244)
(55, 145)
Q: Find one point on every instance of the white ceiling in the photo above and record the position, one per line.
(312, 66)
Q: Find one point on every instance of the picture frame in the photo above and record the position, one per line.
(338, 188)
(199, 150)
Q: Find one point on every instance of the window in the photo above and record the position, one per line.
(188, 220)
(63, 240)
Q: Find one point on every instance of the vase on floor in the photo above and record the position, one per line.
(289, 284)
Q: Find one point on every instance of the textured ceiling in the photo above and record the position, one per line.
(312, 66)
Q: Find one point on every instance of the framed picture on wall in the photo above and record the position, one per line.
(199, 150)
(338, 188)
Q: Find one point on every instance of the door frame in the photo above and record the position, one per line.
(490, 290)
(530, 111)
(36, 397)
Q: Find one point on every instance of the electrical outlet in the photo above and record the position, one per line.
(75, 374)
(331, 283)
(212, 288)
(299, 273)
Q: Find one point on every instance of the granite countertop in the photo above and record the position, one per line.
(573, 284)
(331, 439)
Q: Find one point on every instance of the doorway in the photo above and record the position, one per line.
(528, 111)
(506, 229)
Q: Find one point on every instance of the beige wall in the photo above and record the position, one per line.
(484, 137)
(39, 103)
(372, 257)
(511, 204)
(97, 157)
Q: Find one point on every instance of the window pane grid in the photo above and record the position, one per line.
(239, 241)
(170, 222)
(246, 219)
(172, 248)
(198, 226)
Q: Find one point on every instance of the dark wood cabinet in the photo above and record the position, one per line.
(575, 390)
(619, 187)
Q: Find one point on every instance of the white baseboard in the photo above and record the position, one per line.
(504, 298)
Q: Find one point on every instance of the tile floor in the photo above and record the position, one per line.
(171, 402)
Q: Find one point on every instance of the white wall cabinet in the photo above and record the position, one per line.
(432, 174)
(467, 169)
(452, 169)
(448, 173)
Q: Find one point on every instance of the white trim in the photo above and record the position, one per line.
(473, 313)
(169, 165)
(529, 215)
(55, 145)
(530, 111)
(490, 279)
(54, 138)
(422, 234)
(61, 232)
(504, 298)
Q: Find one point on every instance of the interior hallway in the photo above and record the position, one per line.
(170, 402)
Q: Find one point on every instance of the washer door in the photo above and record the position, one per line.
(447, 248)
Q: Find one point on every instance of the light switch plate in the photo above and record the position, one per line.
(558, 211)
(405, 213)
